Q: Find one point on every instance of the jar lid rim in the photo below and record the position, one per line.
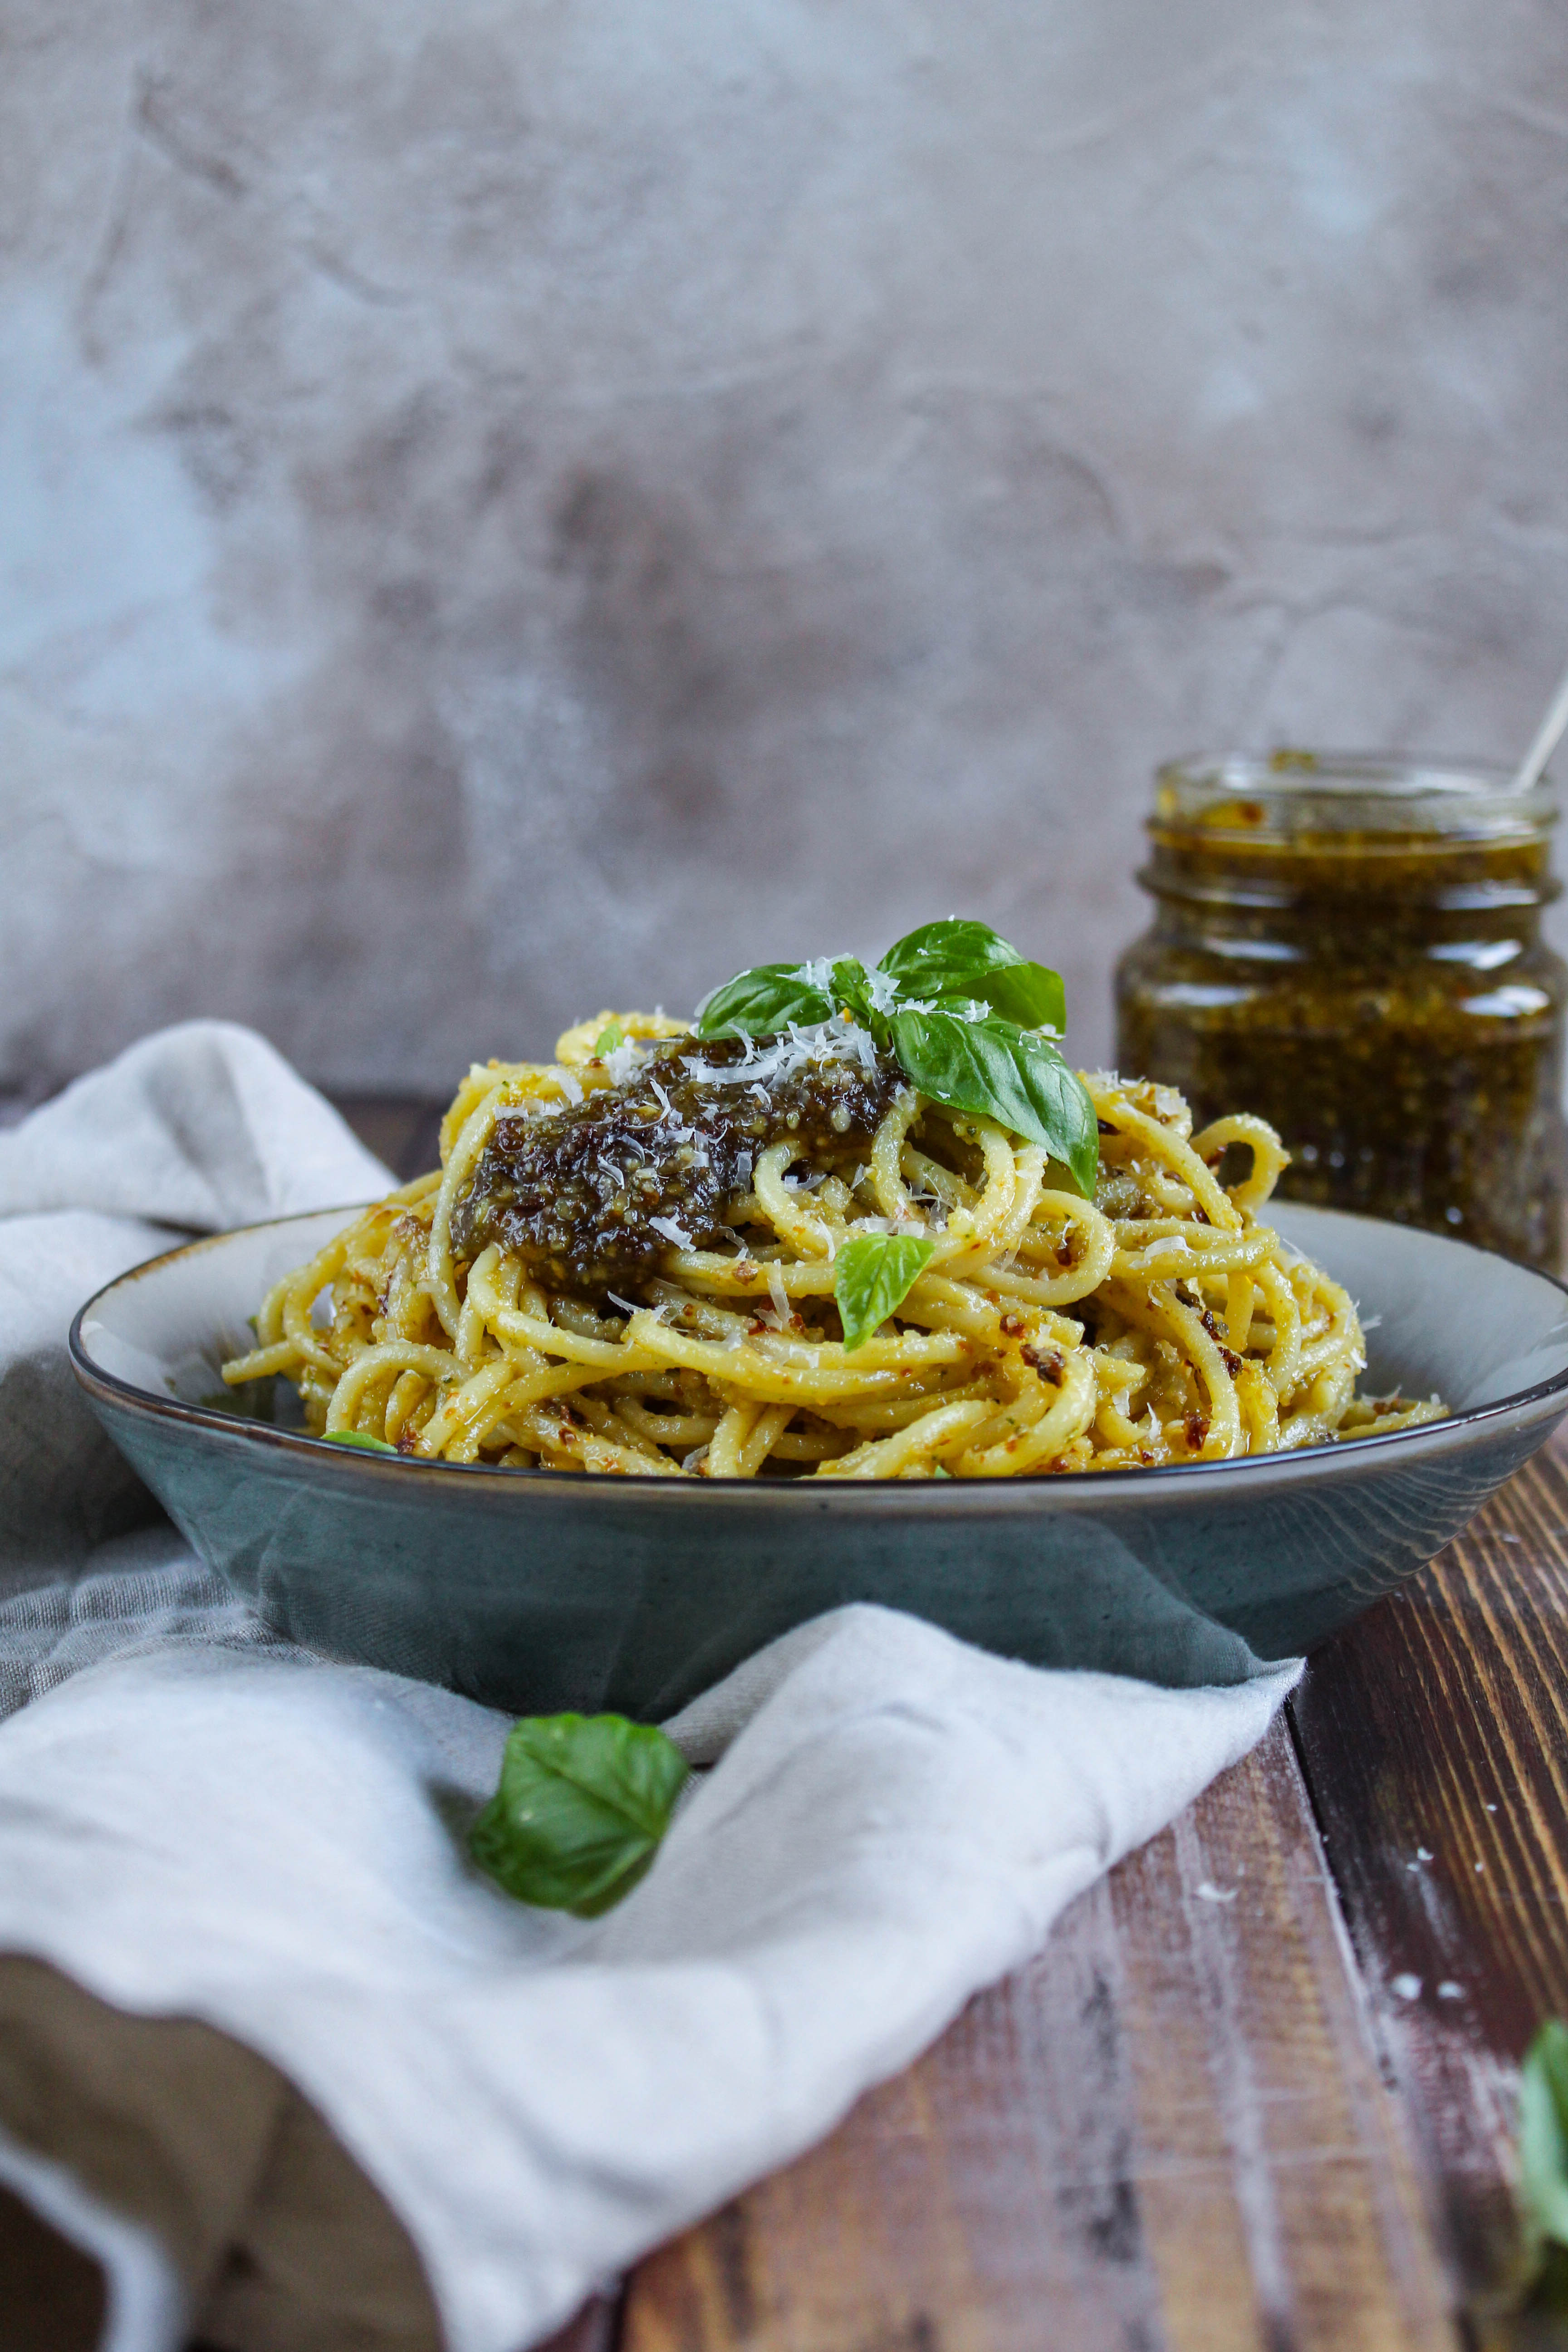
(1404, 790)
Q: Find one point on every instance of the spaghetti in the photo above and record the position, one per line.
(627, 1263)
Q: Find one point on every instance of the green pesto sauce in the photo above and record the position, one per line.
(1383, 999)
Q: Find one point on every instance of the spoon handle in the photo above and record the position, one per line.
(1547, 736)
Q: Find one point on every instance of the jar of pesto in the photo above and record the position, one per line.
(1352, 948)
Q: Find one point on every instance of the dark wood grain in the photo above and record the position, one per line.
(1170, 2130)
(1434, 1736)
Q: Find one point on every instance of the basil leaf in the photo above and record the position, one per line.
(758, 1002)
(1001, 1072)
(611, 1035)
(872, 1276)
(582, 1804)
(359, 1437)
(852, 991)
(962, 960)
(1543, 2137)
(1029, 994)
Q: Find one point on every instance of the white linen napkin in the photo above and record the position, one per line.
(196, 1129)
(199, 1820)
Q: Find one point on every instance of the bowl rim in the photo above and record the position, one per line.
(956, 1495)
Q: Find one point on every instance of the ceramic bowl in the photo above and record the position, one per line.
(535, 1590)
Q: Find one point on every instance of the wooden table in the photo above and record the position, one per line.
(1258, 2090)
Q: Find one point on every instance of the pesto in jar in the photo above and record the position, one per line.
(1352, 950)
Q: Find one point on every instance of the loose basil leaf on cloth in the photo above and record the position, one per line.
(872, 1276)
(998, 1071)
(1544, 2139)
(360, 1437)
(582, 1804)
(969, 961)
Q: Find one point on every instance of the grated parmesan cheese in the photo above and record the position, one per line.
(795, 1049)
(817, 973)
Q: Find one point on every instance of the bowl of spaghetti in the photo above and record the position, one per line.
(851, 1291)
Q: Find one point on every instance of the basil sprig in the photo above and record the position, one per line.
(756, 1003)
(582, 1804)
(999, 1071)
(872, 1277)
(967, 961)
(964, 1013)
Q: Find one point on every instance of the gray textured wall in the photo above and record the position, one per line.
(508, 507)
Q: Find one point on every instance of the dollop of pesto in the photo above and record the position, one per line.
(592, 1196)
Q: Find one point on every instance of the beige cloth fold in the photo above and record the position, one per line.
(277, 2239)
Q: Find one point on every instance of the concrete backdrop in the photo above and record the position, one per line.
(506, 507)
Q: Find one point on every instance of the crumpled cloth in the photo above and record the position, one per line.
(194, 1130)
(206, 1832)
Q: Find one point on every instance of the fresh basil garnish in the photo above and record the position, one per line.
(852, 993)
(961, 1008)
(758, 1002)
(872, 1277)
(998, 1071)
(360, 1437)
(960, 961)
(611, 1035)
(582, 1804)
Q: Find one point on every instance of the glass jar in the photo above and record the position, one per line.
(1352, 948)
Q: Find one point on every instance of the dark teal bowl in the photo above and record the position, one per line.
(535, 1590)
